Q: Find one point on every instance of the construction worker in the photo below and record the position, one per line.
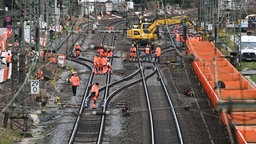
(157, 54)
(109, 67)
(100, 50)
(75, 82)
(39, 74)
(96, 64)
(77, 48)
(102, 61)
(8, 59)
(105, 53)
(177, 37)
(133, 53)
(94, 94)
(147, 54)
(109, 52)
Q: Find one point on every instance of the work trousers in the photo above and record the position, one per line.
(157, 59)
(148, 57)
(74, 90)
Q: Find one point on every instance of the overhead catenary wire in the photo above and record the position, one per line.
(184, 65)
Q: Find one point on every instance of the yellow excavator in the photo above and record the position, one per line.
(145, 32)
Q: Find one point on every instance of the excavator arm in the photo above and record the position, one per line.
(156, 23)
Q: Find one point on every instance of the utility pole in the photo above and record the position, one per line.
(34, 25)
(18, 14)
(236, 16)
(17, 117)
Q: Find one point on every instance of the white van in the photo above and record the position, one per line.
(248, 47)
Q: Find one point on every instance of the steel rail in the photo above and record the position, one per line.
(170, 103)
(108, 78)
(85, 97)
(152, 134)
(74, 131)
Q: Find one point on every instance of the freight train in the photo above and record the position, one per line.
(230, 93)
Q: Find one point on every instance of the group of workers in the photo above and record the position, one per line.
(147, 52)
(180, 39)
(101, 60)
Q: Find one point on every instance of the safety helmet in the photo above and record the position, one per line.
(76, 43)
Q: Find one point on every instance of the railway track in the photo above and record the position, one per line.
(89, 126)
(163, 124)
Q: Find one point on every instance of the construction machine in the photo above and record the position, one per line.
(145, 33)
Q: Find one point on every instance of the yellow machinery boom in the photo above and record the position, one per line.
(147, 31)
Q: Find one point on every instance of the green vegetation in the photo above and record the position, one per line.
(253, 77)
(247, 65)
(8, 136)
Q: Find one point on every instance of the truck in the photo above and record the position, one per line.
(248, 47)
(146, 32)
(248, 24)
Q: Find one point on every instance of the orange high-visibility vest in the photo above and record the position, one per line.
(133, 49)
(101, 51)
(77, 47)
(95, 88)
(177, 37)
(110, 54)
(105, 53)
(9, 58)
(147, 50)
(75, 81)
(39, 74)
(182, 39)
(95, 60)
(158, 51)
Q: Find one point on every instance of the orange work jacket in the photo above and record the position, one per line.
(147, 50)
(95, 60)
(95, 88)
(133, 49)
(158, 51)
(75, 81)
(9, 58)
(77, 47)
(177, 37)
(101, 51)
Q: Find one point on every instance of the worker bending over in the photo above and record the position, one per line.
(102, 61)
(77, 48)
(94, 94)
